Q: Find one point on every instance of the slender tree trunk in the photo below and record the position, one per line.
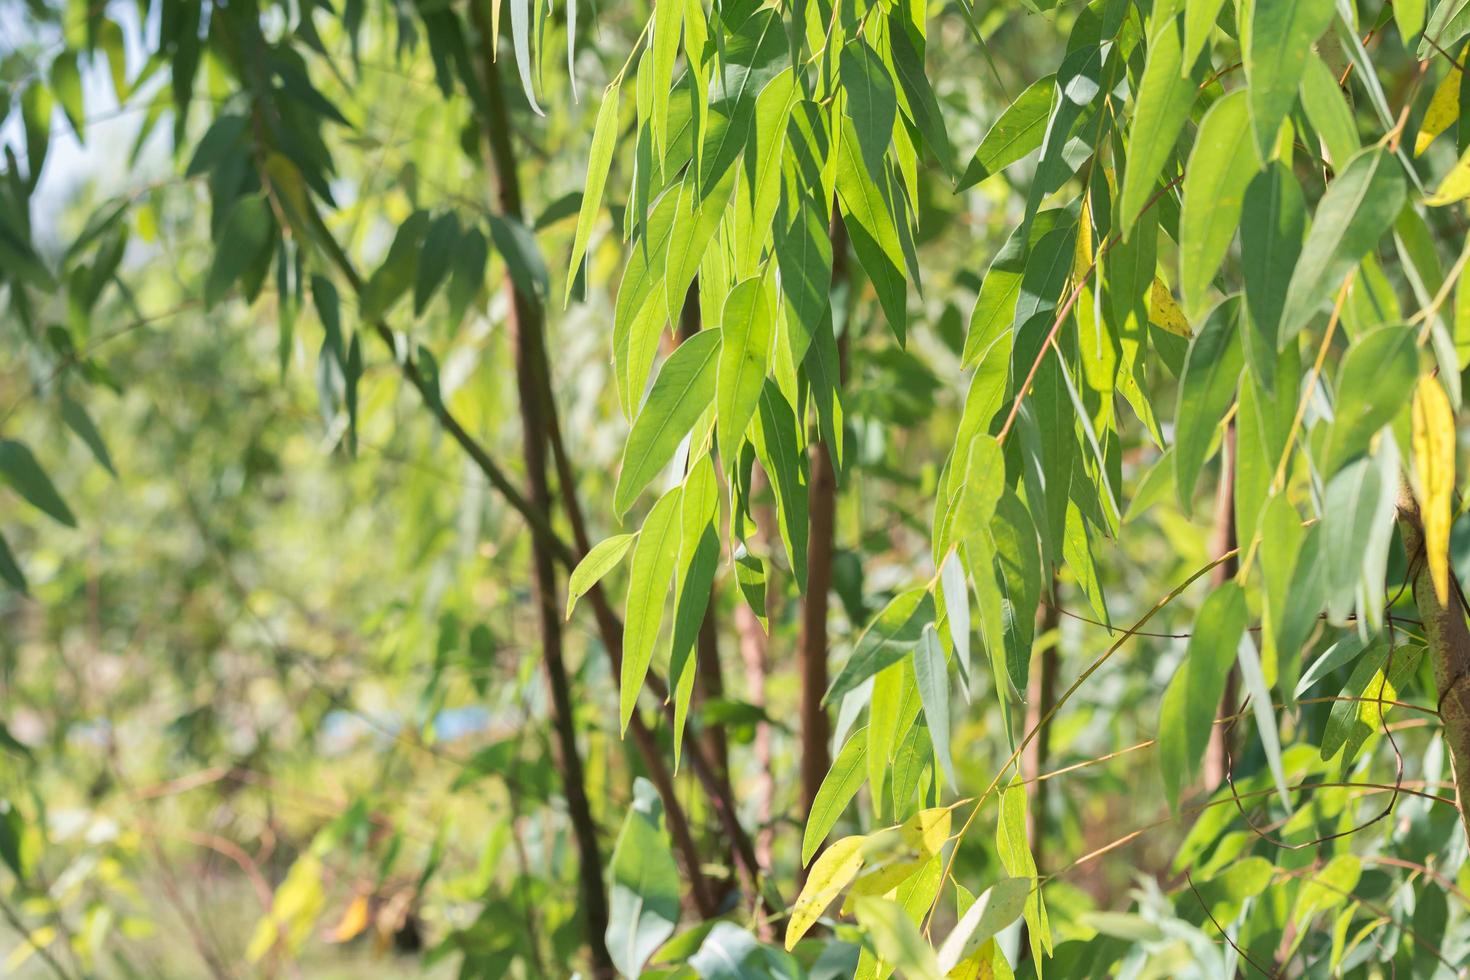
(1449, 646)
(537, 410)
(533, 427)
(1041, 694)
(816, 728)
(709, 678)
(1222, 540)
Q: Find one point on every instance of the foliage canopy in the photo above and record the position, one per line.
(415, 412)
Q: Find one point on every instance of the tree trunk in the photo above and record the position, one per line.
(1218, 753)
(1449, 646)
(1041, 694)
(816, 728)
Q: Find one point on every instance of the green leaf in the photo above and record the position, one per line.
(886, 641)
(920, 102)
(1206, 389)
(1272, 220)
(872, 104)
(997, 907)
(441, 242)
(896, 939)
(79, 422)
(776, 439)
(804, 259)
(931, 673)
(1254, 679)
(10, 569)
(1377, 681)
(684, 388)
(1199, 24)
(599, 162)
(1280, 35)
(517, 245)
(1353, 503)
(1165, 94)
(1016, 576)
(1375, 382)
(247, 233)
(1221, 166)
(668, 28)
(66, 84)
(1328, 111)
(1359, 206)
(1017, 133)
(25, 476)
(871, 228)
(648, 588)
(594, 566)
(1192, 698)
(955, 591)
(695, 223)
(520, 37)
(838, 788)
(398, 271)
(694, 581)
(746, 329)
(643, 907)
(1016, 858)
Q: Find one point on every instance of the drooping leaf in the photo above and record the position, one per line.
(1279, 35)
(1221, 166)
(652, 571)
(1017, 132)
(599, 162)
(1272, 221)
(997, 907)
(1359, 206)
(1192, 698)
(1206, 389)
(837, 866)
(746, 331)
(886, 641)
(19, 469)
(1434, 466)
(838, 788)
(643, 906)
(1165, 94)
(931, 673)
(603, 558)
(684, 388)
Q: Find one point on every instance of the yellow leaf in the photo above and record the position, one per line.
(986, 963)
(838, 865)
(881, 881)
(1083, 259)
(1434, 465)
(1164, 311)
(1455, 186)
(927, 830)
(354, 921)
(1444, 109)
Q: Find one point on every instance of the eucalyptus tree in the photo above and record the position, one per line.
(1230, 251)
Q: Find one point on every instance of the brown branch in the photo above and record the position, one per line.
(537, 374)
(816, 730)
(1449, 646)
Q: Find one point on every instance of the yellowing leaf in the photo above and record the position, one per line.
(354, 921)
(1164, 311)
(927, 830)
(1444, 109)
(1455, 186)
(837, 866)
(1434, 465)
